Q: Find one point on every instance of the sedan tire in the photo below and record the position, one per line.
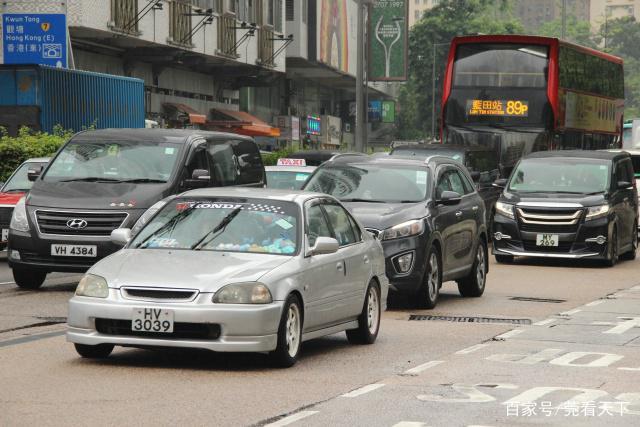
(473, 285)
(427, 296)
(100, 351)
(369, 319)
(289, 334)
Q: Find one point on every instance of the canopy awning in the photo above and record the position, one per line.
(241, 123)
(194, 116)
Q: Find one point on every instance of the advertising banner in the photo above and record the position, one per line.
(388, 40)
(588, 112)
(34, 39)
(388, 111)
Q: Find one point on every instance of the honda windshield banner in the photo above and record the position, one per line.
(388, 40)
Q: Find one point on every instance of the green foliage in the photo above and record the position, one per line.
(576, 31)
(28, 144)
(271, 159)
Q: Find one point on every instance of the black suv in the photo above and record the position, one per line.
(427, 214)
(481, 161)
(568, 204)
(101, 180)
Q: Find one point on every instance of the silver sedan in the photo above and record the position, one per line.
(234, 270)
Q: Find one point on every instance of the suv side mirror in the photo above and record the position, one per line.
(324, 245)
(500, 183)
(200, 174)
(449, 198)
(199, 179)
(33, 174)
(121, 236)
(623, 185)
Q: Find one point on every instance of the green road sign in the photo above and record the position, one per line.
(388, 111)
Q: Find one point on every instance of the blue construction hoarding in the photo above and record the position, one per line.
(34, 39)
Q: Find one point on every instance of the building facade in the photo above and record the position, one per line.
(418, 7)
(603, 10)
(535, 13)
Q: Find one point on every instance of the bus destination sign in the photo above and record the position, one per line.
(505, 108)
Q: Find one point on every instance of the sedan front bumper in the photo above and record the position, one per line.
(242, 328)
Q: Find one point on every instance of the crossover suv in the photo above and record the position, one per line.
(568, 204)
(428, 215)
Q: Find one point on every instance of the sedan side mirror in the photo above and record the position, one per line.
(449, 198)
(121, 236)
(324, 245)
(500, 183)
(623, 185)
(33, 174)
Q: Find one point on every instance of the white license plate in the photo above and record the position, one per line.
(5, 235)
(547, 240)
(74, 250)
(152, 320)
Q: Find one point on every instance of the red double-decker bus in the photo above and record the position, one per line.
(522, 93)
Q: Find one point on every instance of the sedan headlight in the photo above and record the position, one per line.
(406, 229)
(19, 219)
(92, 286)
(595, 212)
(505, 209)
(149, 213)
(243, 293)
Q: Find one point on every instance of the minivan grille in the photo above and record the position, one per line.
(549, 221)
(97, 223)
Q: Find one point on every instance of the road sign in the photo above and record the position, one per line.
(388, 111)
(34, 39)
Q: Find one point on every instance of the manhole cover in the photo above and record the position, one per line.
(470, 319)
(532, 299)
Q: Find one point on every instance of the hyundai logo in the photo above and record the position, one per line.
(77, 223)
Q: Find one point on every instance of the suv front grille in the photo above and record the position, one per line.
(97, 223)
(181, 330)
(549, 221)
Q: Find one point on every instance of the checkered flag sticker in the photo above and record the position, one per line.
(265, 208)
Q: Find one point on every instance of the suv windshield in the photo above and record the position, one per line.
(116, 161)
(20, 180)
(229, 225)
(371, 182)
(561, 175)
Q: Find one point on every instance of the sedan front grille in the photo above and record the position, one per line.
(181, 330)
(95, 223)
(159, 294)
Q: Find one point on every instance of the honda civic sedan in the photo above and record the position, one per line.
(234, 270)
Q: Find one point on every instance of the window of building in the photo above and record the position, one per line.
(290, 11)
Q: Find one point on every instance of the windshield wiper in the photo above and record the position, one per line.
(363, 200)
(221, 225)
(91, 179)
(171, 223)
(143, 181)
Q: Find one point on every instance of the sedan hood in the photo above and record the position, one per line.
(95, 195)
(385, 215)
(584, 200)
(206, 271)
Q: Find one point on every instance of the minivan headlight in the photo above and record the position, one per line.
(19, 218)
(146, 216)
(595, 212)
(243, 293)
(505, 209)
(406, 229)
(92, 286)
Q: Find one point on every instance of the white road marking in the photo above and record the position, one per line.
(569, 359)
(510, 334)
(7, 283)
(544, 322)
(410, 424)
(472, 349)
(636, 288)
(527, 359)
(594, 303)
(603, 323)
(622, 327)
(363, 390)
(423, 367)
(570, 312)
(292, 419)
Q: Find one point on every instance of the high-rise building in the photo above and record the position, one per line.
(603, 10)
(418, 7)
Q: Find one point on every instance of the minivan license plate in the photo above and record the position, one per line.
(152, 320)
(74, 250)
(547, 240)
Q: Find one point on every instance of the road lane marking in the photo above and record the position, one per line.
(30, 338)
(472, 349)
(603, 323)
(570, 312)
(544, 322)
(292, 419)
(423, 367)
(410, 424)
(7, 283)
(363, 390)
(622, 327)
(509, 334)
(594, 303)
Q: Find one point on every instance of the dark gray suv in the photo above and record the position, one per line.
(428, 215)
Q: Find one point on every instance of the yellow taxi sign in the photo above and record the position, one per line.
(503, 107)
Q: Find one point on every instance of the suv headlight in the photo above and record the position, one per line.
(505, 209)
(92, 286)
(595, 212)
(146, 216)
(406, 229)
(19, 218)
(243, 293)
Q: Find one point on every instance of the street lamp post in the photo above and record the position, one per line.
(361, 108)
(433, 89)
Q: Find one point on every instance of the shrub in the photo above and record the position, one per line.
(271, 159)
(28, 144)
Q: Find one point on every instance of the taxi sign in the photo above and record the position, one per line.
(292, 162)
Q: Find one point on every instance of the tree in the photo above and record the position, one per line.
(577, 31)
(430, 38)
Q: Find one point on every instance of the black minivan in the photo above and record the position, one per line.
(101, 180)
(568, 204)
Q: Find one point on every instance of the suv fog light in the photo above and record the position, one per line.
(404, 262)
(500, 236)
(13, 254)
(601, 240)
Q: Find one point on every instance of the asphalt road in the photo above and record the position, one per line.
(567, 354)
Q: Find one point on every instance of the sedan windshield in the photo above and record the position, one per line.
(20, 180)
(371, 183)
(114, 161)
(229, 225)
(561, 175)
